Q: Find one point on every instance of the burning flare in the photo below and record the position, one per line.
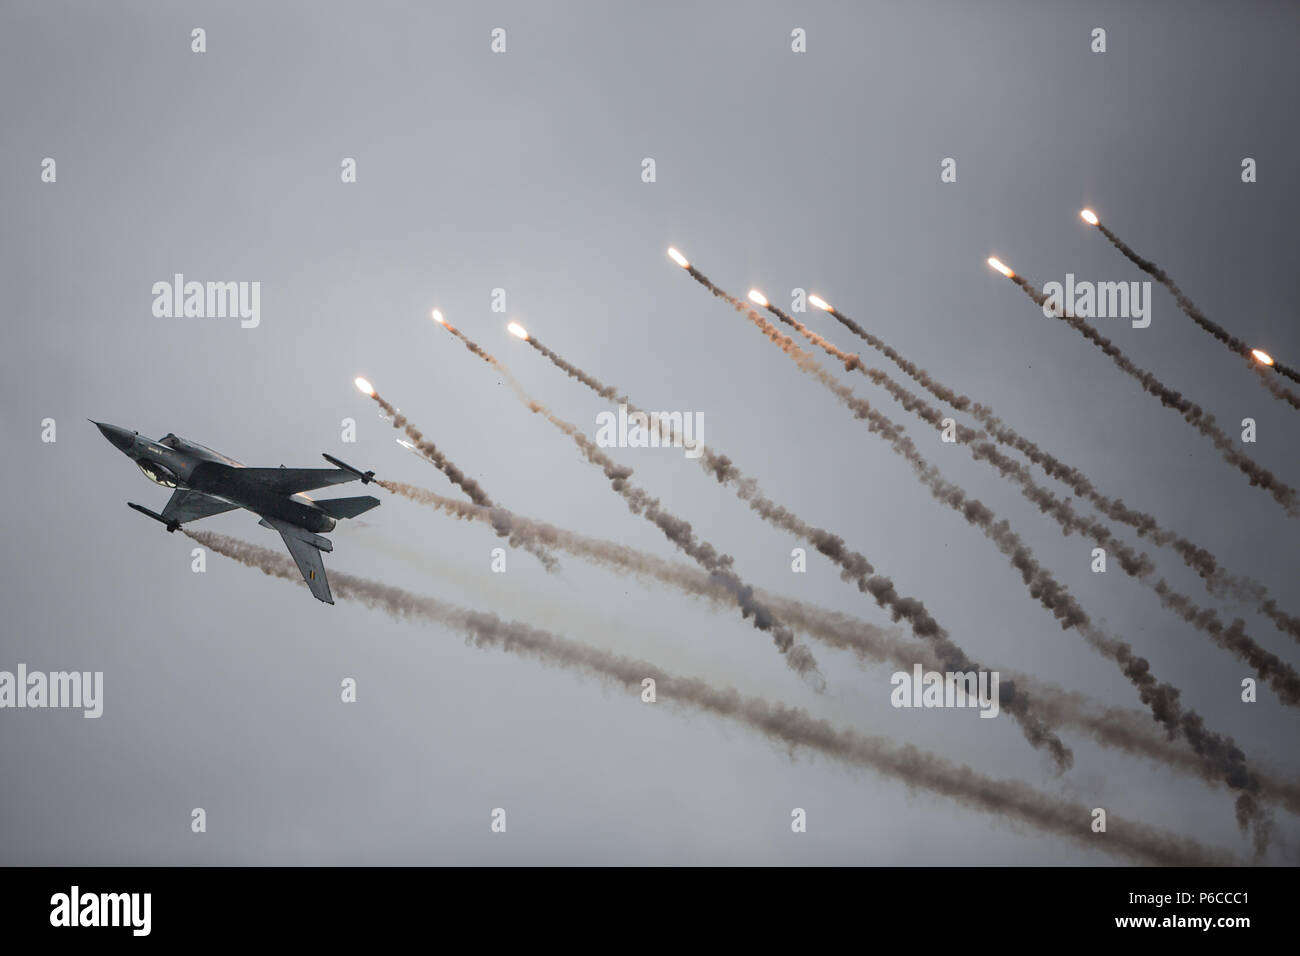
(437, 317)
(1262, 357)
(517, 330)
(365, 386)
(677, 257)
(758, 297)
(1001, 267)
(820, 303)
(1089, 217)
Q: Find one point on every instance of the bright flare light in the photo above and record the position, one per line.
(819, 302)
(677, 257)
(437, 317)
(1262, 357)
(1089, 217)
(517, 330)
(998, 264)
(405, 444)
(366, 387)
(756, 296)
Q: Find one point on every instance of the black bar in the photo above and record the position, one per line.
(924, 907)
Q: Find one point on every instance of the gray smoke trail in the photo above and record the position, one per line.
(434, 456)
(1189, 308)
(854, 567)
(1130, 731)
(798, 657)
(604, 391)
(788, 726)
(1217, 580)
(1069, 521)
(1277, 390)
(1279, 674)
(1192, 413)
(1220, 753)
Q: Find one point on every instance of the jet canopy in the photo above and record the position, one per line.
(176, 443)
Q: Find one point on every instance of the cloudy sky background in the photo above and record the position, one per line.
(522, 171)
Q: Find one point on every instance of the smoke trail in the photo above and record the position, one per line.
(788, 726)
(851, 360)
(1192, 413)
(432, 454)
(604, 391)
(854, 567)
(1217, 580)
(1010, 469)
(1220, 753)
(1196, 315)
(798, 657)
(1277, 390)
(1129, 731)
(1280, 675)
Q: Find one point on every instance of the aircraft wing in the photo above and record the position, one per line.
(185, 506)
(290, 481)
(306, 555)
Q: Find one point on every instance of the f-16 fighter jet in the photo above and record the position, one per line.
(208, 483)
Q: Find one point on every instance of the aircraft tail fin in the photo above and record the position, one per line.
(347, 507)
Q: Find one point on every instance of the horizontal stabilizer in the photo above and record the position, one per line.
(302, 534)
(347, 507)
(305, 549)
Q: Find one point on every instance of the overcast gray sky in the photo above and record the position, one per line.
(522, 171)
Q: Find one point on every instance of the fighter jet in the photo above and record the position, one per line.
(208, 483)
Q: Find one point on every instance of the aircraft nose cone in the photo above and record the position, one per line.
(120, 437)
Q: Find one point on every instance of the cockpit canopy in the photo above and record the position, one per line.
(176, 443)
(157, 473)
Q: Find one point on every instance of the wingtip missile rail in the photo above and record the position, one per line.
(366, 476)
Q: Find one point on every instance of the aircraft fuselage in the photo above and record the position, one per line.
(201, 469)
